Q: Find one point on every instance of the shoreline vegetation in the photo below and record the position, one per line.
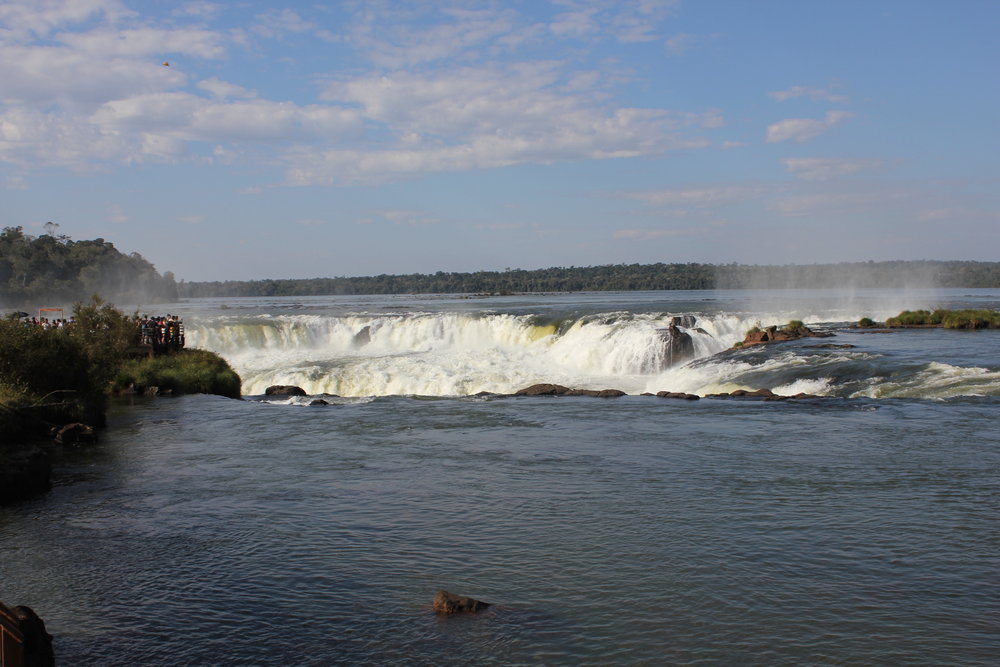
(55, 384)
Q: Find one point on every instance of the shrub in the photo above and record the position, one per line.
(866, 322)
(949, 319)
(795, 325)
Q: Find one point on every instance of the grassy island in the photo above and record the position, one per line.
(947, 319)
(184, 372)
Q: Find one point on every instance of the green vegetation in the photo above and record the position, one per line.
(52, 270)
(52, 376)
(794, 326)
(948, 319)
(614, 277)
(866, 322)
(184, 372)
(56, 376)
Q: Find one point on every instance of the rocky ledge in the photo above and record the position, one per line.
(772, 334)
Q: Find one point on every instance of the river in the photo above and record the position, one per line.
(856, 528)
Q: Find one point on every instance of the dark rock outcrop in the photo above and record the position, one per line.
(762, 395)
(597, 393)
(775, 335)
(678, 346)
(363, 337)
(24, 472)
(677, 394)
(559, 390)
(284, 390)
(318, 401)
(543, 390)
(449, 603)
(25, 641)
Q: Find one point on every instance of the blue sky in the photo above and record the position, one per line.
(245, 140)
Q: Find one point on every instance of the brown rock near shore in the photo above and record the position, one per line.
(449, 603)
(74, 434)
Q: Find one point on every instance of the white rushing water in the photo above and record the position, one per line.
(457, 353)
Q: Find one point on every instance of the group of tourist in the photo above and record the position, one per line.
(163, 332)
(46, 323)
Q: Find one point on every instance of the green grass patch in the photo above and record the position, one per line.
(949, 319)
(188, 371)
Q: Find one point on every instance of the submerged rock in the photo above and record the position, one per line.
(449, 603)
(74, 434)
(284, 390)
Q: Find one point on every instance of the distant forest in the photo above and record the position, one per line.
(53, 270)
(624, 277)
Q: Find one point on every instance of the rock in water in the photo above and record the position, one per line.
(74, 434)
(449, 603)
(284, 390)
(542, 390)
(678, 346)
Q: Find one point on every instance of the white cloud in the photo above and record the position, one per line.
(24, 18)
(45, 75)
(392, 43)
(223, 89)
(804, 129)
(824, 169)
(836, 203)
(278, 22)
(94, 93)
(650, 234)
(814, 94)
(108, 43)
(624, 20)
(680, 43)
(710, 196)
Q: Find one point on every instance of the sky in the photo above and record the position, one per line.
(247, 140)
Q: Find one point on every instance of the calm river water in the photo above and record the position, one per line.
(857, 528)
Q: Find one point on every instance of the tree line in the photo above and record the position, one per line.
(53, 269)
(623, 277)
